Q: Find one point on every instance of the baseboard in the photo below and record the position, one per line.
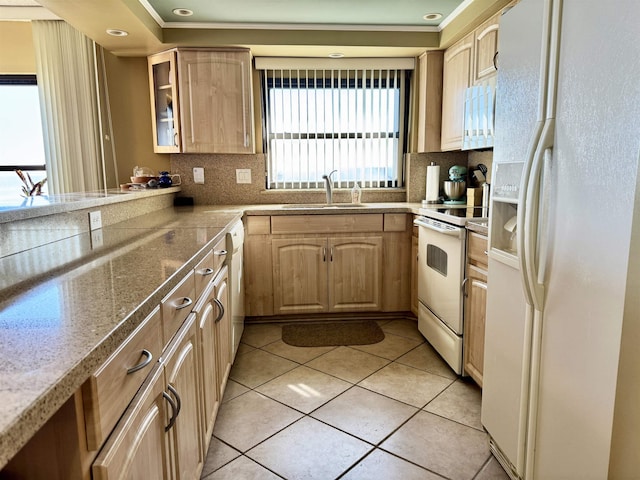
(332, 317)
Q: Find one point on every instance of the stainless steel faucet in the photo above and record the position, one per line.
(328, 183)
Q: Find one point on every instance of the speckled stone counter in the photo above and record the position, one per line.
(67, 305)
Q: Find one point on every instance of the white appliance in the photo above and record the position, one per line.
(562, 361)
(235, 246)
(441, 261)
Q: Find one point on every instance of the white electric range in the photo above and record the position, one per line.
(441, 259)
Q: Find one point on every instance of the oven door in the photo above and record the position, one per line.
(441, 270)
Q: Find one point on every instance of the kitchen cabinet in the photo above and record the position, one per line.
(475, 305)
(485, 49)
(258, 266)
(429, 94)
(214, 108)
(144, 445)
(456, 78)
(466, 63)
(164, 102)
(330, 274)
(414, 270)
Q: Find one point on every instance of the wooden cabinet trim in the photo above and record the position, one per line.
(258, 225)
(328, 224)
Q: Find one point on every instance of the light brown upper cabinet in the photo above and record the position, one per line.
(429, 100)
(214, 107)
(486, 49)
(466, 63)
(456, 76)
(164, 102)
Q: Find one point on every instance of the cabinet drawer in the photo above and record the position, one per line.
(477, 248)
(107, 392)
(395, 222)
(176, 306)
(209, 266)
(366, 222)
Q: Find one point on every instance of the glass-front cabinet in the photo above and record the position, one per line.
(164, 102)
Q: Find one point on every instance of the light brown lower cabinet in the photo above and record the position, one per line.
(327, 274)
(159, 433)
(475, 306)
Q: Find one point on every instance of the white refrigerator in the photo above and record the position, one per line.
(561, 384)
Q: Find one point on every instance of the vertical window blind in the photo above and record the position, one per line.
(322, 115)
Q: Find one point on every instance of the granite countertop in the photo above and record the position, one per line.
(67, 305)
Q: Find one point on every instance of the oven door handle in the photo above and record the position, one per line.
(454, 232)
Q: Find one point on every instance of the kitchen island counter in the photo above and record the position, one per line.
(65, 306)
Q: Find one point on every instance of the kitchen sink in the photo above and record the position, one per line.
(309, 206)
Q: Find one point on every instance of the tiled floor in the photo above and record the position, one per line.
(393, 410)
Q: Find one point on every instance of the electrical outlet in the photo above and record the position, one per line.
(95, 220)
(243, 175)
(97, 239)
(198, 175)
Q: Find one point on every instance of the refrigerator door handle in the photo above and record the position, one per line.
(532, 259)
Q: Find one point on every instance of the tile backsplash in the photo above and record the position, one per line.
(220, 187)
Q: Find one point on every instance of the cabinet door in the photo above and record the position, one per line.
(181, 376)
(137, 447)
(429, 101)
(414, 275)
(223, 329)
(486, 48)
(299, 275)
(207, 350)
(458, 61)
(216, 101)
(164, 102)
(355, 273)
(474, 323)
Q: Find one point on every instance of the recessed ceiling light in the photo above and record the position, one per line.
(336, 55)
(117, 32)
(182, 12)
(433, 16)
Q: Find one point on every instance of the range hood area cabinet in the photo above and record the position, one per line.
(202, 101)
(469, 61)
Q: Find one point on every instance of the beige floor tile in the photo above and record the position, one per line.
(460, 402)
(233, 390)
(309, 450)
(392, 347)
(218, 455)
(242, 468)
(405, 328)
(406, 384)
(297, 354)
(250, 418)
(445, 447)
(258, 367)
(426, 358)
(492, 470)
(244, 348)
(365, 414)
(261, 334)
(348, 364)
(303, 388)
(380, 465)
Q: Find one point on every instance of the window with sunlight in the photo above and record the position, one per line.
(351, 120)
(21, 141)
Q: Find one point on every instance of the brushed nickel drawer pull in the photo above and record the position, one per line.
(174, 409)
(173, 390)
(220, 309)
(207, 271)
(220, 252)
(148, 357)
(186, 302)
